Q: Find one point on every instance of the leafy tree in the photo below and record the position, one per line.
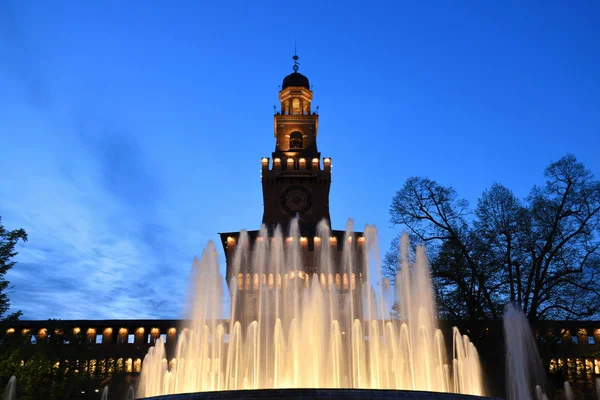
(53, 369)
(542, 253)
(8, 241)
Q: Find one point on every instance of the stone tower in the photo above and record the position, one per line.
(296, 182)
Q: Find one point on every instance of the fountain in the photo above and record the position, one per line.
(130, 393)
(524, 371)
(10, 391)
(568, 391)
(310, 335)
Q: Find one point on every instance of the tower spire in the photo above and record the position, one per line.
(295, 58)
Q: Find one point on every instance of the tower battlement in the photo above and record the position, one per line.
(296, 163)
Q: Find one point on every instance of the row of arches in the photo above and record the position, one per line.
(571, 336)
(102, 366)
(93, 335)
(576, 366)
(250, 281)
(295, 106)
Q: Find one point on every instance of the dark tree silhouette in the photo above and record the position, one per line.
(8, 241)
(542, 253)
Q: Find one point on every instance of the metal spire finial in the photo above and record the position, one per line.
(295, 58)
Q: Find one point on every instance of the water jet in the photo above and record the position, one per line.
(308, 335)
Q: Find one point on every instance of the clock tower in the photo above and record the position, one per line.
(295, 184)
(296, 180)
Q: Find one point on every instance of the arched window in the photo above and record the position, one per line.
(271, 281)
(255, 282)
(137, 366)
(296, 141)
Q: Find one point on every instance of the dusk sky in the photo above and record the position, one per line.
(132, 132)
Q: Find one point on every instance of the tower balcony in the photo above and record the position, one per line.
(296, 165)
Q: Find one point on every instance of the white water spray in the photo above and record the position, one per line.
(568, 391)
(525, 375)
(10, 391)
(320, 331)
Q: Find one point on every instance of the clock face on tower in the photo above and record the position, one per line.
(296, 199)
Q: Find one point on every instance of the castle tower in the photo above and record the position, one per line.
(296, 180)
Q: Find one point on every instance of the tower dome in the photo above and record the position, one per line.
(295, 78)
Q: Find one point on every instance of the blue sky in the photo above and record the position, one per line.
(132, 132)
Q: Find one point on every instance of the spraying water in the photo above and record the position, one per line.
(104, 395)
(524, 371)
(568, 391)
(130, 393)
(10, 392)
(539, 393)
(315, 331)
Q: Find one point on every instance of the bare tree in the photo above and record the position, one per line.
(541, 253)
(562, 274)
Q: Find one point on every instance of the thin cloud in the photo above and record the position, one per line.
(91, 204)
(97, 248)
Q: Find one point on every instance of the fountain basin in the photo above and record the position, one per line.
(304, 394)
